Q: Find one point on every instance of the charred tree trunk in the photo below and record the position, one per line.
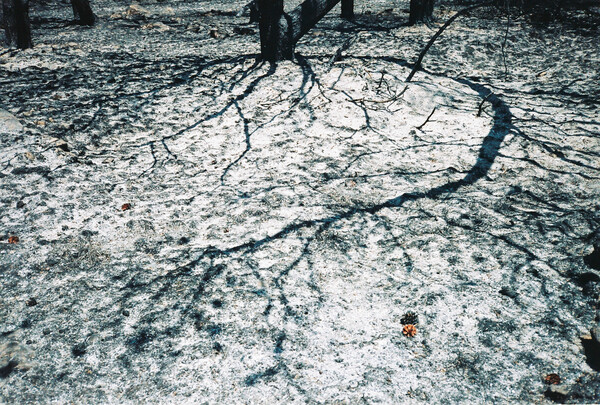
(83, 12)
(348, 9)
(16, 23)
(279, 31)
(274, 42)
(420, 10)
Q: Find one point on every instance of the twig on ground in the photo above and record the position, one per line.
(427, 120)
(505, 39)
(381, 79)
(480, 108)
(388, 100)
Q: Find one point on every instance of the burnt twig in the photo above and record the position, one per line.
(427, 120)
(480, 108)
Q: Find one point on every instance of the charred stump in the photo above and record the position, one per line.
(279, 31)
(17, 27)
(83, 12)
(420, 11)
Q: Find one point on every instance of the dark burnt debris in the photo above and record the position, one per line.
(409, 318)
(183, 223)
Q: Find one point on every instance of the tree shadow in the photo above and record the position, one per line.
(209, 263)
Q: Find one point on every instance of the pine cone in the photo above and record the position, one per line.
(409, 318)
(409, 330)
(552, 378)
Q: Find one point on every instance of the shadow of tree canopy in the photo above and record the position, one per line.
(166, 294)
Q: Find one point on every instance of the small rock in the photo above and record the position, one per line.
(508, 291)
(159, 26)
(9, 124)
(136, 12)
(31, 302)
(14, 356)
(62, 145)
(78, 350)
(216, 33)
(133, 12)
(7, 369)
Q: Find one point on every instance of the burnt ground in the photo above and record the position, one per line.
(197, 226)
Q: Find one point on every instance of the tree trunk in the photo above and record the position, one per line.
(420, 10)
(83, 12)
(279, 31)
(16, 23)
(348, 9)
(274, 42)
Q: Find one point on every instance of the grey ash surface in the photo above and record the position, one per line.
(283, 221)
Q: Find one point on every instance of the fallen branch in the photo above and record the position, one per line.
(389, 100)
(437, 34)
(337, 56)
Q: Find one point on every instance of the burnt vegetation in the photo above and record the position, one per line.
(273, 180)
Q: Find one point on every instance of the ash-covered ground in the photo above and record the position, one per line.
(180, 223)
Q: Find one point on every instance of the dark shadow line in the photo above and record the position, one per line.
(488, 152)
